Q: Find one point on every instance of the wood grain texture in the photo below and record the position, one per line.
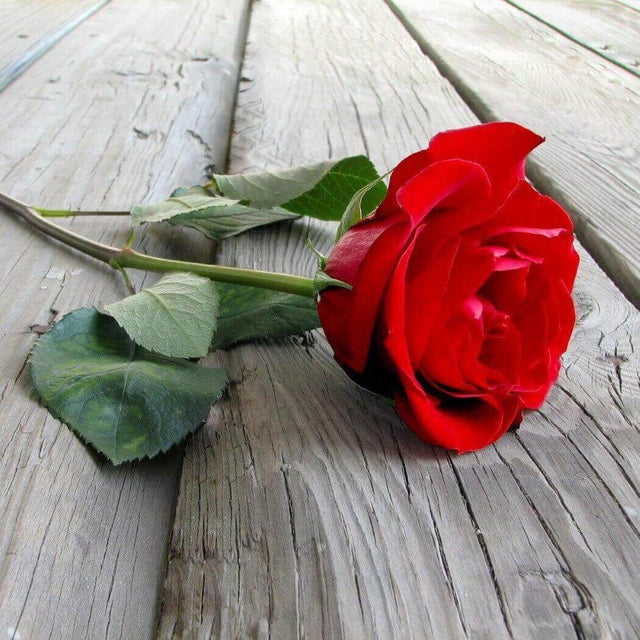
(29, 28)
(606, 27)
(634, 4)
(135, 101)
(509, 66)
(306, 509)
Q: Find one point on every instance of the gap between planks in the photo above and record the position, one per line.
(606, 28)
(21, 58)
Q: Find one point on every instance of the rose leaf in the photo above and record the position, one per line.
(249, 313)
(217, 217)
(124, 401)
(176, 317)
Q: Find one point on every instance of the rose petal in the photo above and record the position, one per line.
(500, 148)
(536, 228)
(501, 352)
(446, 185)
(364, 258)
(461, 424)
(526, 207)
(472, 267)
(409, 167)
(506, 288)
(451, 357)
(428, 276)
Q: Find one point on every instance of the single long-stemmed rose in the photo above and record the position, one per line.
(453, 297)
(460, 306)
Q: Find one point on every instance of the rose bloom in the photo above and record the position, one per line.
(461, 301)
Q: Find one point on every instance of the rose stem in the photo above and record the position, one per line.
(65, 213)
(128, 258)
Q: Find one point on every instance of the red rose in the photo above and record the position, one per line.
(461, 302)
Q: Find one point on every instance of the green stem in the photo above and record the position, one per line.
(300, 285)
(102, 252)
(66, 213)
(127, 279)
(128, 258)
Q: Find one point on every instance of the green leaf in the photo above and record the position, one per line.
(176, 317)
(126, 402)
(268, 189)
(181, 201)
(220, 223)
(249, 313)
(331, 196)
(321, 190)
(360, 205)
(243, 201)
(215, 216)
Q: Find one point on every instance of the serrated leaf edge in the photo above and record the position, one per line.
(116, 462)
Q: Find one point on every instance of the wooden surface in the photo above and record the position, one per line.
(634, 4)
(509, 66)
(607, 27)
(30, 28)
(304, 508)
(121, 109)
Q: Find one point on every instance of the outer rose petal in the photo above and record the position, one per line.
(448, 185)
(560, 312)
(364, 258)
(526, 207)
(500, 148)
(458, 427)
(428, 276)
(406, 169)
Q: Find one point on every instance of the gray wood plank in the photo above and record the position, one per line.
(634, 4)
(306, 509)
(31, 27)
(509, 66)
(606, 27)
(136, 100)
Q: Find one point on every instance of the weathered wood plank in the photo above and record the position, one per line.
(134, 101)
(606, 27)
(31, 27)
(634, 4)
(511, 67)
(306, 509)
